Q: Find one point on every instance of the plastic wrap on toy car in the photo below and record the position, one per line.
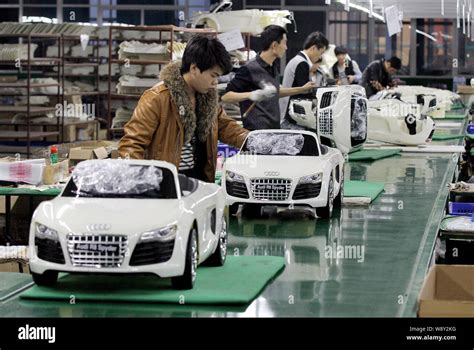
(107, 177)
(269, 143)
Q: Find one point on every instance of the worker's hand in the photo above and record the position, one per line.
(351, 78)
(376, 85)
(263, 94)
(308, 86)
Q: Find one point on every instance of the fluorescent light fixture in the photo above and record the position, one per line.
(36, 19)
(426, 34)
(458, 22)
(328, 2)
(442, 7)
(463, 19)
(363, 9)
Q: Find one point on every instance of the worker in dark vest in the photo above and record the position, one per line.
(345, 71)
(298, 72)
(256, 86)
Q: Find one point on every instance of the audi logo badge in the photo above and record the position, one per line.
(272, 173)
(98, 227)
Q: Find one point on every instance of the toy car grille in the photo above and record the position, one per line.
(298, 109)
(305, 191)
(270, 189)
(237, 189)
(326, 99)
(325, 122)
(49, 250)
(97, 250)
(152, 253)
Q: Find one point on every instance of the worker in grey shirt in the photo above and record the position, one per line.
(256, 86)
(297, 71)
(345, 71)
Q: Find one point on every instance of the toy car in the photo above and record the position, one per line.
(395, 121)
(338, 116)
(222, 19)
(284, 168)
(439, 101)
(129, 216)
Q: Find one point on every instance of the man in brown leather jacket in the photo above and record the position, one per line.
(180, 120)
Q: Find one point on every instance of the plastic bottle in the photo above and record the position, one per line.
(53, 154)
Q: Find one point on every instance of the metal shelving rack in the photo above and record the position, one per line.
(30, 110)
(112, 59)
(71, 61)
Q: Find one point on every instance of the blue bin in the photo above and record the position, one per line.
(226, 151)
(461, 209)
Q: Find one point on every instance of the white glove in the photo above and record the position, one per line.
(263, 94)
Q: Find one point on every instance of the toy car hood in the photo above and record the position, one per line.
(62, 214)
(251, 166)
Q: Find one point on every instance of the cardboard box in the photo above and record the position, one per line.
(79, 154)
(465, 89)
(448, 291)
(54, 173)
(14, 267)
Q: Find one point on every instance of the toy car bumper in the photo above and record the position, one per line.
(164, 259)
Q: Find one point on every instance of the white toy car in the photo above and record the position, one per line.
(395, 121)
(129, 216)
(440, 100)
(284, 168)
(339, 115)
(222, 19)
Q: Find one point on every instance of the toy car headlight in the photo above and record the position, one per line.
(233, 177)
(162, 234)
(44, 232)
(311, 179)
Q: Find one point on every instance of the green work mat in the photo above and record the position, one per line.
(372, 154)
(239, 281)
(439, 136)
(12, 282)
(452, 116)
(457, 106)
(363, 189)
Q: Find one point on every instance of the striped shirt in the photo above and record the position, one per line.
(187, 156)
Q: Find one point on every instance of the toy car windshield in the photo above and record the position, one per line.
(281, 144)
(111, 180)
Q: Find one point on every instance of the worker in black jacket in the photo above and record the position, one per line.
(378, 75)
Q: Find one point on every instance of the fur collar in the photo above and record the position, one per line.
(207, 104)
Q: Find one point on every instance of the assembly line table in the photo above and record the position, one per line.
(397, 233)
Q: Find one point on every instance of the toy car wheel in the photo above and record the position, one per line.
(47, 279)
(186, 281)
(340, 196)
(233, 209)
(326, 212)
(218, 257)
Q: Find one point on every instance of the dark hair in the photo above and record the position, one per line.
(316, 38)
(205, 53)
(340, 50)
(395, 62)
(270, 34)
